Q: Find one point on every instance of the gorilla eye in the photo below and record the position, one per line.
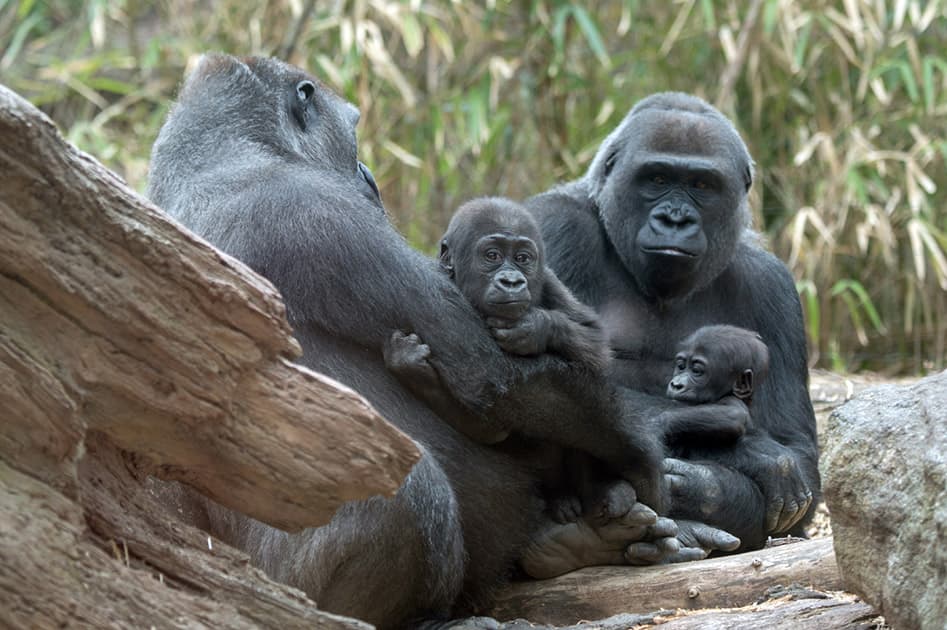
(524, 258)
(610, 163)
(305, 90)
(492, 255)
(701, 185)
(697, 369)
(660, 180)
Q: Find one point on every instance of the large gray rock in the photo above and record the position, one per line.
(884, 467)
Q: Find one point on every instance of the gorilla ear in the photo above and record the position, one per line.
(445, 260)
(743, 388)
(748, 176)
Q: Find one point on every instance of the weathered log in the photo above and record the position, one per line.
(731, 581)
(115, 319)
(53, 574)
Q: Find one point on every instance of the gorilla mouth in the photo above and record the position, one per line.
(669, 251)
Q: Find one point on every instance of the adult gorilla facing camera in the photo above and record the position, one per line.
(656, 238)
(260, 158)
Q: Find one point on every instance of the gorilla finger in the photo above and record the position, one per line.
(664, 528)
(669, 545)
(789, 514)
(723, 541)
(673, 466)
(686, 554)
(639, 514)
(773, 512)
(643, 553)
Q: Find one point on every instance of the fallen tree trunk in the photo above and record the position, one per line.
(115, 319)
(130, 347)
(731, 581)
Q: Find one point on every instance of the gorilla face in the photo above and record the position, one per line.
(493, 250)
(671, 185)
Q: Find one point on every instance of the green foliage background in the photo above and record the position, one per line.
(843, 105)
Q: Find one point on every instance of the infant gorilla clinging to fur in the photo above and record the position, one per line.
(494, 253)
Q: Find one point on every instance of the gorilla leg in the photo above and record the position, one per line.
(372, 549)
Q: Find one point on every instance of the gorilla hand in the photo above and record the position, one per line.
(407, 356)
(693, 485)
(529, 335)
(787, 495)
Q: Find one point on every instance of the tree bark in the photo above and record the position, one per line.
(129, 347)
(117, 320)
(730, 581)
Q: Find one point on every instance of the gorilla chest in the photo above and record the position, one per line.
(644, 339)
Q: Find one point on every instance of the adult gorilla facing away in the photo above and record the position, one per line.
(260, 159)
(656, 238)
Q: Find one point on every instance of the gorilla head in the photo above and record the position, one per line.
(304, 123)
(494, 252)
(717, 361)
(671, 186)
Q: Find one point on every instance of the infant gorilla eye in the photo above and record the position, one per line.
(523, 258)
(492, 255)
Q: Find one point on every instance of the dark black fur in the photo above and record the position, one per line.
(719, 366)
(260, 159)
(494, 252)
(656, 238)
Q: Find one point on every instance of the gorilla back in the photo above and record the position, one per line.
(260, 159)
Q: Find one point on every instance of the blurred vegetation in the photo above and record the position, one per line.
(843, 104)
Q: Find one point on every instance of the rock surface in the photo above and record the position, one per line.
(884, 472)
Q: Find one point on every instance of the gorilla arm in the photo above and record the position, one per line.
(400, 289)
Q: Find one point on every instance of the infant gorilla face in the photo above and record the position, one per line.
(500, 284)
(492, 249)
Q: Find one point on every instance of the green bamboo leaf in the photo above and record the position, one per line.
(810, 297)
(710, 19)
(592, 36)
(850, 289)
(927, 69)
(106, 84)
(770, 14)
(907, 77)
(799, 52)
(559, 29)
(26, 6)
(412, 34)
(19, 36)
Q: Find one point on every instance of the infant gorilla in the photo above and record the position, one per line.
(716, 365)
(494, 253)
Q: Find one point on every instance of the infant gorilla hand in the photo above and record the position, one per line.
(407, 356)
(528, 335)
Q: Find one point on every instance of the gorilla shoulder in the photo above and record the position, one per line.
(576, 243)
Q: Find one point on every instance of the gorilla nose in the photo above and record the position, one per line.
(511, 281)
